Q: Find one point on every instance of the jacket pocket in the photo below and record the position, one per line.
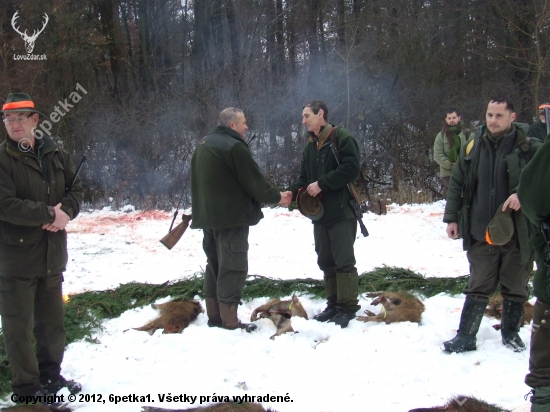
(17, 235)
(235, 255)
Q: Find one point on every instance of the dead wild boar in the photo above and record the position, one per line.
(463, 404)
(494, 309)
(396, 307)
(174, 316)
(280, 312)
(218, 407)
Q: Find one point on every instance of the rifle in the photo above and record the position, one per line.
(354, 200)
(71, 183)
(175, 235)
(546, 119)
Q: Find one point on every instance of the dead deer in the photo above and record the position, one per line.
(174, 316)
(280, 312)
(396, 307)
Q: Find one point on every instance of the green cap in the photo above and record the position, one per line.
(501, 229)
(308, 205)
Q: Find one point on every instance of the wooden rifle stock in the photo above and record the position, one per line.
(175, 234)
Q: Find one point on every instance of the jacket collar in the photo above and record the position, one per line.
(13, 148)
(229, 131)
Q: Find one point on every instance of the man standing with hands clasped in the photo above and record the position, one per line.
(36, 205)
(495, 232)
(334, 224)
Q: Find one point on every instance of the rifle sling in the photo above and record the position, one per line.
(351, 186)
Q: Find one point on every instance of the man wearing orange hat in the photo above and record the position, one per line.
(36, 204)
(484, 180)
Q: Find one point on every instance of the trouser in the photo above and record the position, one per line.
(539, 357)
(491, 265)
(32, 306)
(445, 183)
(227, 263)
(336, 258)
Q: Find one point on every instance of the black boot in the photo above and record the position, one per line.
(465, 339)
(512, 312)
(328, 313)
(344, 315)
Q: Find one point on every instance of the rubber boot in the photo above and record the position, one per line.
(346, 301)
(465, 339)
(540, 400)
(213, 312)
(230, 320)
(512, 312)
(330, 290)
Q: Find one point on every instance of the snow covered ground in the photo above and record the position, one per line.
(365, 367)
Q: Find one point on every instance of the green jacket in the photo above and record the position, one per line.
(538, 130)
(321, 166)
(30, 186)
(441, 152)
(474, 195)
(227, 186)
(535, 203)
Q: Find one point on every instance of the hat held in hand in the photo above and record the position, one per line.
(501, 228)
(308, 205)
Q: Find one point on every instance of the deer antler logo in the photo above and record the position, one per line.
(29, 40)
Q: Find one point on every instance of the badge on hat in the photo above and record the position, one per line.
(501, 229)
(310, 206)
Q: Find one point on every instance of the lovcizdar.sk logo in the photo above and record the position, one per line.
(29, 40)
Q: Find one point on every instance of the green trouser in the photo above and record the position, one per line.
(491, 265)
(336, 258)
(539, 358)
(227, 263)
(25, 302)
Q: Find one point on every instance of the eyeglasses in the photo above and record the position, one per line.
(19, 119)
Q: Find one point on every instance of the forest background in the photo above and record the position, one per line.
(157, 73)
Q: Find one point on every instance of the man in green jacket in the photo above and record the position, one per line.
(538, 129)
(447, 146)
(227, 190)
(484, 180)
(335, 231)
(36, 205)
(535, 203)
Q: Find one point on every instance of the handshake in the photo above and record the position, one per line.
(286, 198)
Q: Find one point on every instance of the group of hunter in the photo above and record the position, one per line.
(494, 184)
(483, 181)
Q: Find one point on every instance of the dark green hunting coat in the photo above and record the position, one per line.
(30, 186)
(534, 195)
(227, 187)
(321, 166)
(486, 174)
